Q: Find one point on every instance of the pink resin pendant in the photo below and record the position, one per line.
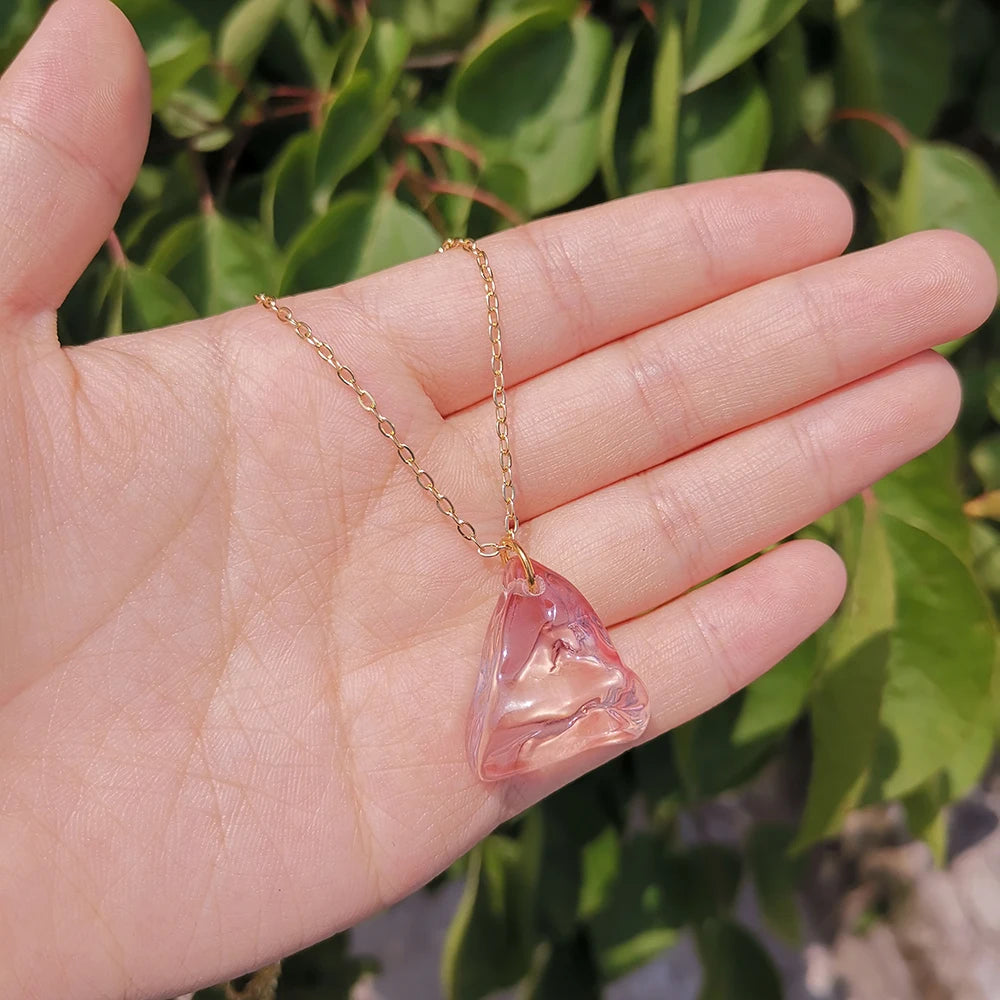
(551, 683)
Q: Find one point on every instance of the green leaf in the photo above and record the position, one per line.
(988, 105)
(610, 110)
(725, 128)
(302, 46)
(359, 234)
(354, 126)
(490, 941)
(721, 34)
(600, 860)
(151, 301)
(429, 21)
(708, 758)
(17, 21)
(926, 493)
(846, 698)
(666, 101)
(944, 186)
(775, 876)
(941, 662)
(985, 461)
(775, 700)
(580, 853)
(986, 555)
(384, 55)
(642, 911)
(565, 971)
(244, 31)
(625, 130)
(216, 262)
(786, 74)
(894, 60)
(926, 817)
(657, 779)
(509, 183)
(287, 197)
(176, 45)
(552, 73)
(197, 111)
(735, 965)
(711, 879)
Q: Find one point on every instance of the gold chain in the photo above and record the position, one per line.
(506, 545)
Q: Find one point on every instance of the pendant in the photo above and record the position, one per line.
(551, 684)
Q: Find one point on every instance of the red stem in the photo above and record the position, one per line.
(894, 129)
(486, 198)
(469, 151)
(115, 250)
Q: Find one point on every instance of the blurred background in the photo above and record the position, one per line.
(831, 833)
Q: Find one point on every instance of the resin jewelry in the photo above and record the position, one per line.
(551, 683)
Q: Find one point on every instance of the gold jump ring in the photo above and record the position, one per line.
(511, 545)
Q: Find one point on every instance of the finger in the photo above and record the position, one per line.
(674, 526)
(698, 650)
(74, 116)
(573, 282)
(640, 401)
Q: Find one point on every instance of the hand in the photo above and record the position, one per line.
(239, 644)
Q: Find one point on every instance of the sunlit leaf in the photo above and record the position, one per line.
(724, 33)
(944, 186)
(176, 44)
(926, 493)
(941, 660)
(725, 128)
(217, 262)
(846, 698)
(359, 234)
(775, 700)
(926, 814)
(150, 301)
(894, 60)
(353, 128)
(244, 31)
(552, 73)
(666, 124)
(429, 21)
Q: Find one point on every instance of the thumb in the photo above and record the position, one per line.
(74, 119)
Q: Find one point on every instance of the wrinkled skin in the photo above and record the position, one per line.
(237, 644)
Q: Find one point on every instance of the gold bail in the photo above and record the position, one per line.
(510, 544)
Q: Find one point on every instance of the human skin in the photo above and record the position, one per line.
(238, 644)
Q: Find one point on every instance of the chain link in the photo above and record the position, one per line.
(388, 429)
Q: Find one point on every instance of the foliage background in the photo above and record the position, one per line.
(300, 143)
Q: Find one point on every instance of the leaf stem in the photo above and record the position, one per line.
(470, 152)
(115, 250)
(480, 195)
(893, 128)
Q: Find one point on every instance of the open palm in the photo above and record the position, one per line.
(238, 645)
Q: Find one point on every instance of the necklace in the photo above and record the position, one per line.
(551, 683)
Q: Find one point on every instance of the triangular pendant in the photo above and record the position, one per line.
(551, 683)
